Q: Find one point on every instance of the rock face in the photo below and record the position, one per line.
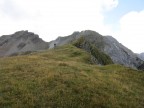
(107, 44)
(141, 56)
(97, 57)
(21, 41)
(141, 67)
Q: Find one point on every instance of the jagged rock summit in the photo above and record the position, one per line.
(107, 44)
(21, 41)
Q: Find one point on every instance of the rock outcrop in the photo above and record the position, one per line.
(19, 42)
(97, 57)
(141, 67)
(106, 44)
(141, 56)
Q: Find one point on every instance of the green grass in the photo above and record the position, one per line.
(64, 78)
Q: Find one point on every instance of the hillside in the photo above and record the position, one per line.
(65, 78)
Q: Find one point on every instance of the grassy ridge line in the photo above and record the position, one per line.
(63, 78)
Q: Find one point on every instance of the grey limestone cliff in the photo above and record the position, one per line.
(141, 56)
(21, 41)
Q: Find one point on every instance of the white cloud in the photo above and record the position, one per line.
(109, 4)
(51, 18)
(131, 31)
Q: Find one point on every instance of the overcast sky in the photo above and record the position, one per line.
(123, 19)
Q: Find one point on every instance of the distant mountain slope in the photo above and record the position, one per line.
(21, 41)
(107, 44)
(141, 56)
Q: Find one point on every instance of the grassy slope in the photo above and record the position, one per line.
(63, 78)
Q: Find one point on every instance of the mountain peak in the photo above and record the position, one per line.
(21, 41)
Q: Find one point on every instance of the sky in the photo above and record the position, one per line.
(122, 19)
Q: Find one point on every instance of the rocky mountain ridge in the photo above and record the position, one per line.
(107, 44)
(24, 41)
(21, 41)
